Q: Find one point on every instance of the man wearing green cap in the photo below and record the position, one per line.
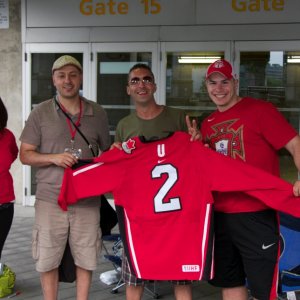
(57, 133)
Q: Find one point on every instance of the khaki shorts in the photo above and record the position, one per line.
(53, 227)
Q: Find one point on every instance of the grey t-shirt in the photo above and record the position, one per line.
(48, 129)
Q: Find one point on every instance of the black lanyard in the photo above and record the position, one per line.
(76, 127)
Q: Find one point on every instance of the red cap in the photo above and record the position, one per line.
(221, 66)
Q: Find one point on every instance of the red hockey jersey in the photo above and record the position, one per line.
(163, 195)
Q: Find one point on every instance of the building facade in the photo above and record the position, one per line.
(178, 39)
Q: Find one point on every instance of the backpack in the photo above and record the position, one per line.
(7, 281)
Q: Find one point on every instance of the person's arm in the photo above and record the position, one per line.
(30, 156)
(293, 146)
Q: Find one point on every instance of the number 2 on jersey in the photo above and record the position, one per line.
(173, 203)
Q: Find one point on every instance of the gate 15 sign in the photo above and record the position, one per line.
(111, 7)
(68, 13)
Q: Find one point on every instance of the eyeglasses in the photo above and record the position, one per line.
(136, 80)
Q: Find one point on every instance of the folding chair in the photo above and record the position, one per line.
(115, 257)
(289, 263)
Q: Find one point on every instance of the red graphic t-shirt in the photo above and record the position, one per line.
(252, 131)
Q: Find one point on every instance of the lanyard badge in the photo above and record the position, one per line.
(73, 150)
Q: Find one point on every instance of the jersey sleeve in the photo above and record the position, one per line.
(67, 193)
(230, 175)
(93, 179)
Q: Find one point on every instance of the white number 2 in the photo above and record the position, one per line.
(173, 203)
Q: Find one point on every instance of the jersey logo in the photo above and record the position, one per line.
(161, 152)
(128, 146)
(265, 247)
(227, 140)
(160, 161)
(190, 268)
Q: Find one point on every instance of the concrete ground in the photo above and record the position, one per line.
(17, 255)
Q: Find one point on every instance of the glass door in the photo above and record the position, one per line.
(183, 70)
(38, 87)
(271, 71)
(112, 62)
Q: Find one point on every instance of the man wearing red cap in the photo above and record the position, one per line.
(247, 237)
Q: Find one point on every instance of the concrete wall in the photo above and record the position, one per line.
(11, 82)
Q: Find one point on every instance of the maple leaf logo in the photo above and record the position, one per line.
(128, 146)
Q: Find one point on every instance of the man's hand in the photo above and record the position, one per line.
(30, 156)
(64, 160)
(193, 129)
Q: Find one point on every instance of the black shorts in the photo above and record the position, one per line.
(246, 246)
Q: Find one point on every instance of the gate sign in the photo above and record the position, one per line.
(247, 11)
(74, 13)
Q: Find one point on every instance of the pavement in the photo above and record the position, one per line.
(17, 255)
